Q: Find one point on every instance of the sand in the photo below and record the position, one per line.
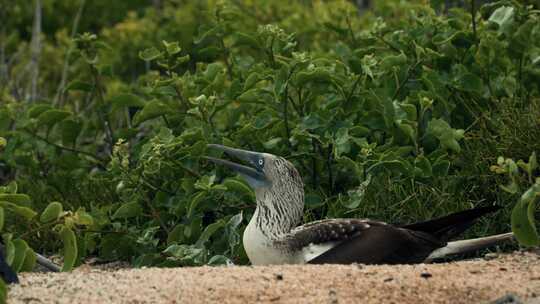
(472, 281)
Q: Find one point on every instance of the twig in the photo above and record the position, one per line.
(388, 43)
(473, 17)
(314, 163)
(329, 168)
(349, 96)
(43, 261)
(409, 72)
(59, 91)
(45, 140)
(350, 30)
(36, 50)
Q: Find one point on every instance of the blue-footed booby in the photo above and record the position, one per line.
(273, 237)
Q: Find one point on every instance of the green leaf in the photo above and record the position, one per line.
(172, 48)
(37, 109)
(522, 218)
(70, 130)
(20, 252)
(251, 80)
(82, 217)
(150, 54)
(18, 199)
(423, 164)
(441, 167)
(447, 136)
(51, 212)
(20, 210)
(152, 110)
(342, 142)
(209, 231)
(316, 75)
(70, 248)
(128, 210)
(470, 83)
(126, 100)
(29, 260)
(503, 17)
(252, 95)
(239, 187)
(79, 86)
(176, 235)
(199, 197)
(242, 39)
(51, 117)
(3, 142)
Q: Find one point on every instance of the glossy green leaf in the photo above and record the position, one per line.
(195, 201)
(70, 248)
(29, 261)
(77, 85)
(70, 130)
(209, 231)
(150, 54)
(503, 16)
(128, 210)
(126, 100)
(239, 187)
(152, 110)
(51, 117)
(51, 212)
(20, 253)
(447, 136)
(18, 199)
(523, 223)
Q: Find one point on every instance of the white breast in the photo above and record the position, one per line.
(259, 248)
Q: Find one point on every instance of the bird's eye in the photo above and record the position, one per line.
(261, 162)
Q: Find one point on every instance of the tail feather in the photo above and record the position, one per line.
(464, 246)
(450, 226)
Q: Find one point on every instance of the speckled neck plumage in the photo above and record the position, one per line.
(280, 207)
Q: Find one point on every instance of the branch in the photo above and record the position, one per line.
(45, 140)
(36, 50)
(402, 83)
(68, 54)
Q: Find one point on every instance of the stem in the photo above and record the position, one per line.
(473, 17)
(45, 140)
(68, 54)
(329, 168)
(314, 164)
(349, 96)
(36, 50)
(106, 123)
(226, 59)
(409, 72)
(350, 30)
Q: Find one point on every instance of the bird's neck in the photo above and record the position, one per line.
(277, 213)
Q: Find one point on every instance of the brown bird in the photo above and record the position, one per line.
(273, 237)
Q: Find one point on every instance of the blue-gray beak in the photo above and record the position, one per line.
(254, 176)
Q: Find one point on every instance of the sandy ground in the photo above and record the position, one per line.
(473, 281)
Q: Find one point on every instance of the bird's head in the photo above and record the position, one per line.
(266, 173)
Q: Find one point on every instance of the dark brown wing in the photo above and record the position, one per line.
(381, 244)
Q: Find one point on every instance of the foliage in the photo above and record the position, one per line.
(523, 215)
(390, 115)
